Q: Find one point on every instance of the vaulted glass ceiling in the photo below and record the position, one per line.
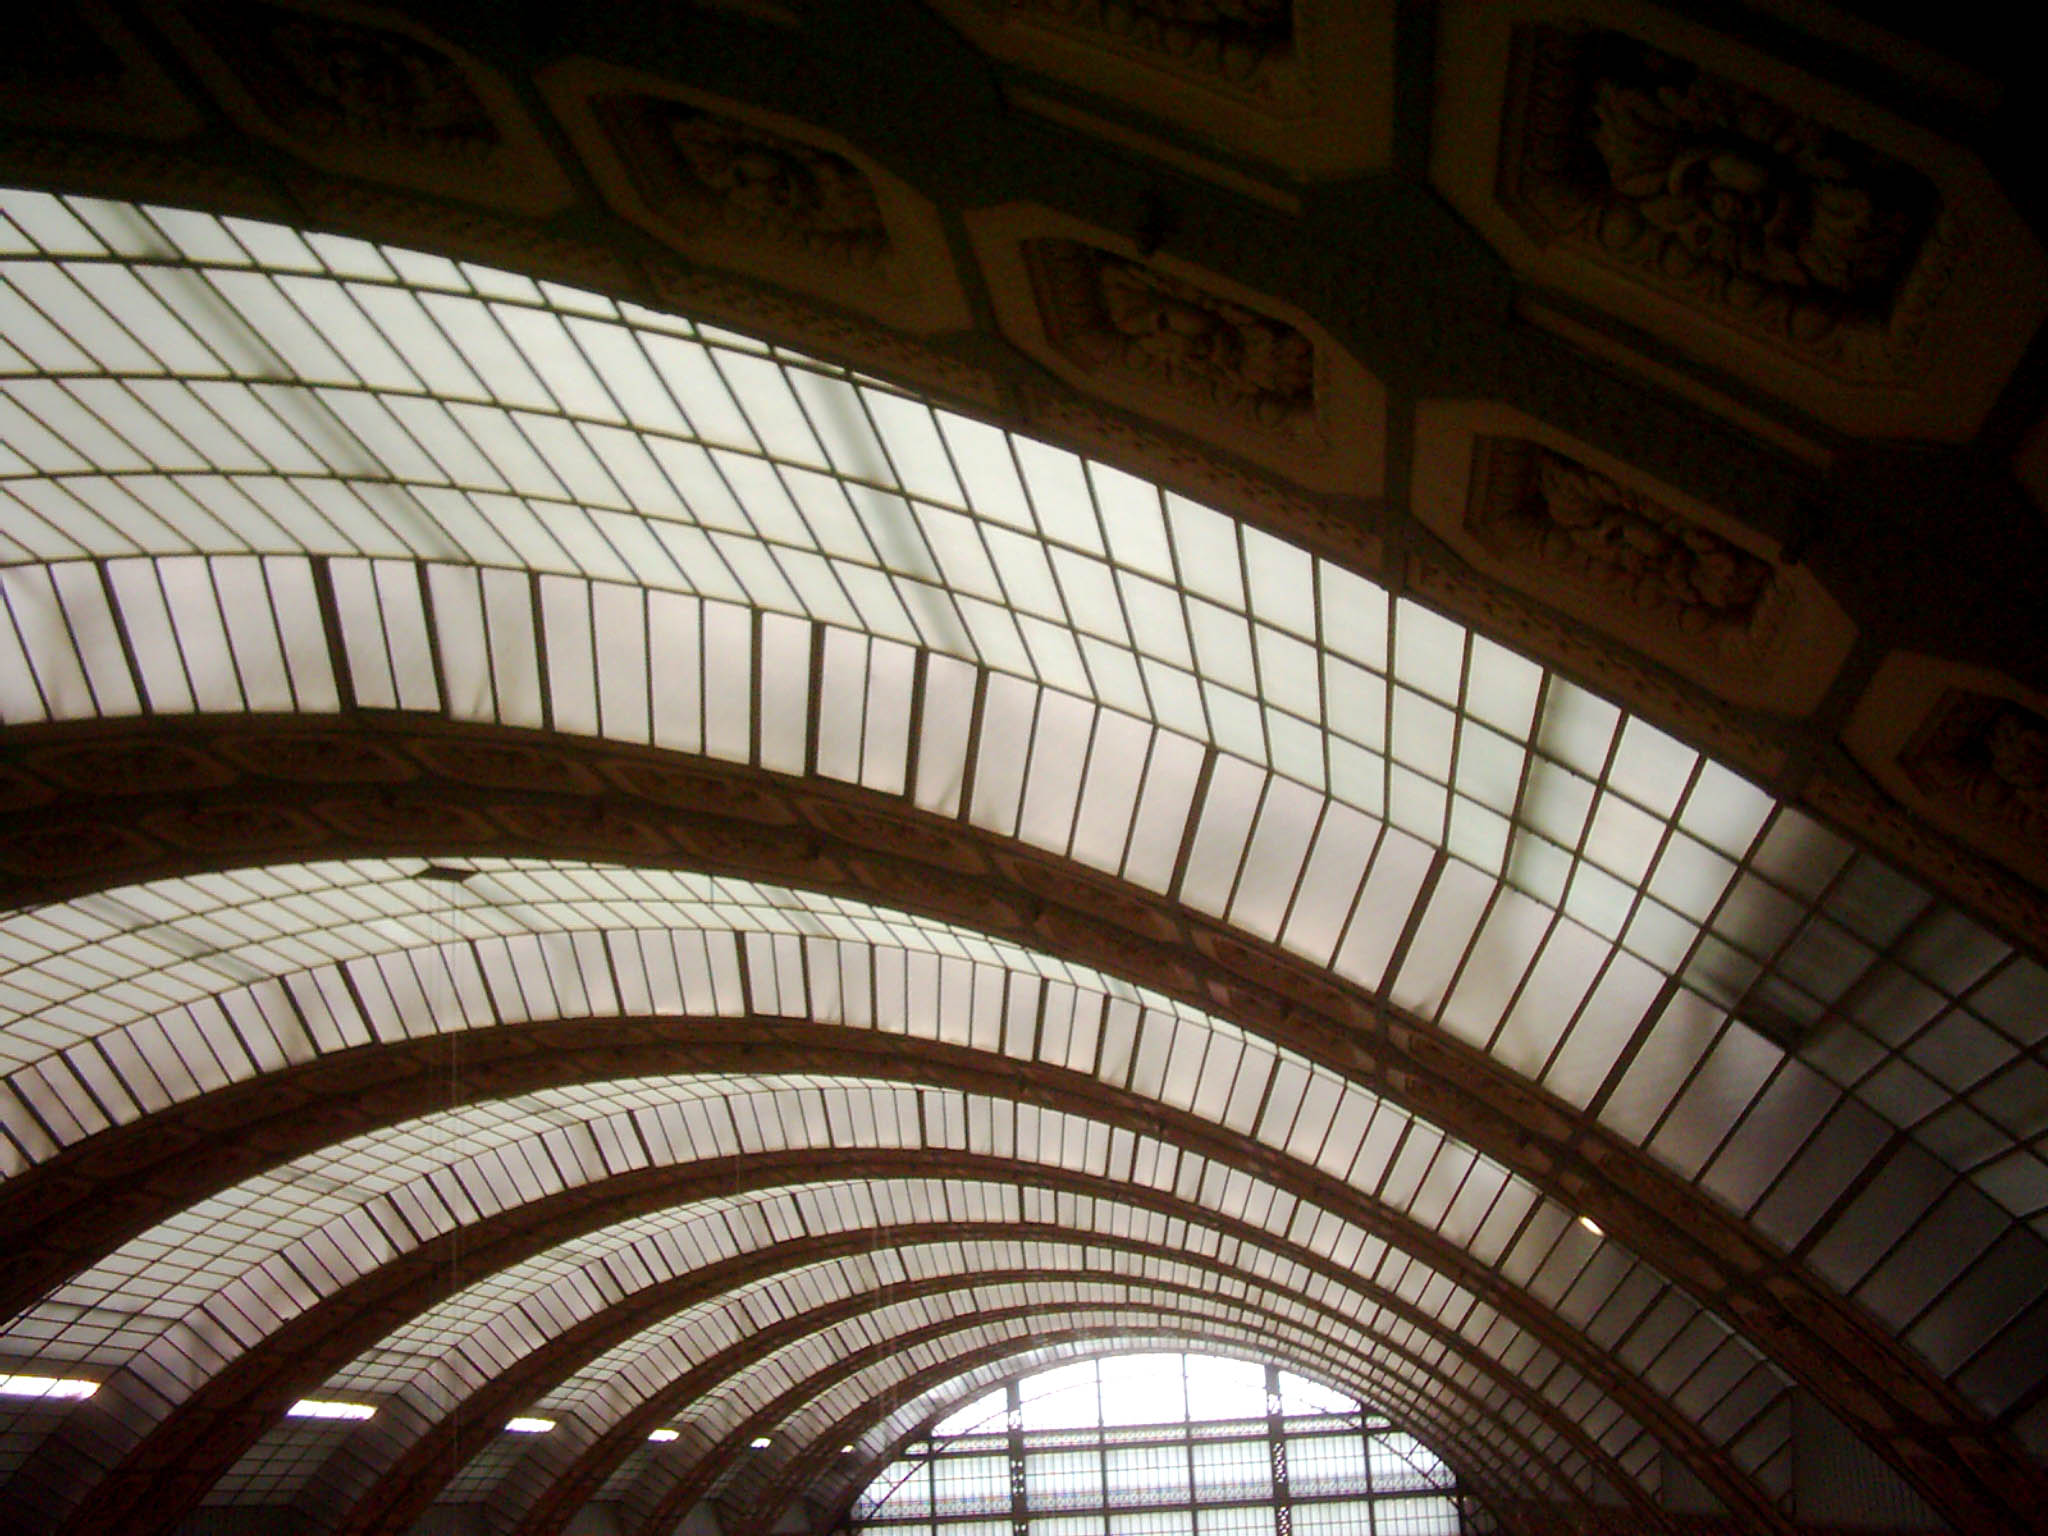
(520, 503)
(250, 471)
(265, 1250)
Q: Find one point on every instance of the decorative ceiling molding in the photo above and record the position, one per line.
(760, 193)
(1189, 348)
(1850, 263)
(1964, 747)
(1656, 571)
(362, 91)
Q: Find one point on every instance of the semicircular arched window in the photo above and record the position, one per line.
(1163, 1444)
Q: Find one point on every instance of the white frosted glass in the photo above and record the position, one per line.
(1228, 807)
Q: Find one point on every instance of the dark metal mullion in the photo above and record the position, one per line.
(1675, 981)
(1618, 944)
(1020, 1524)
(1953, 1002)
(900, 490)
(778, 468)
(66, 265)
(1276, 1456)
(284, 659)
(1640, 1036)
(1838, 1011)
(1244, 854)
(511, 416)
(636, 334)
(1101, 707)
(1123, 611)
(357, 384)
(63, 613)
(1181, 597)
(121, 382)
(775, 467)
(61, 266)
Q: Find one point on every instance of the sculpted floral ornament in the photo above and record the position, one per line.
(1988, 758)
(1585, 526)
(1745, 184)
(696, 166)
(1713, 191)
(328, 77)
(1106, 312)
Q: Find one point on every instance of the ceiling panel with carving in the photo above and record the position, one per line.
(692, 759)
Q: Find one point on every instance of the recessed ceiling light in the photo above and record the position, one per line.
(320, 1408)
(524, 1426)
(47, 1386)
(846, 1450)
(1591, 1226)
(759, 1442)
(663, 1436)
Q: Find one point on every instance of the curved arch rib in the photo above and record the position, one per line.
(567, 1469)
(1772, 1300)
(282, 1350)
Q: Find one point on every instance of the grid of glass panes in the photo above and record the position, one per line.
(215, 422)
(195, 406)
(1163, 1445)
(494, 1178)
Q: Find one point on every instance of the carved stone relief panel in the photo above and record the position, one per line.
(737, 187)
(1642, 563)
(1965, 748)
(369, 93)
(1303, 85)
(1109, 313)
(1815, 243)
(1850, 263)
(76, 66)
(1242, 371)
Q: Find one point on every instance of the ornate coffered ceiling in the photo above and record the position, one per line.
(1226, 661)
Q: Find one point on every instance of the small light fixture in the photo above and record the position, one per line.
(525, 1426)
(321, 1408)
(47, 1386)
(1591, 1226)
(663, 1436)
(846, 1450)
(759, 1442)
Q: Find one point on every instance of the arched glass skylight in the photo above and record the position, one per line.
(251, 470)
(1163, 1444)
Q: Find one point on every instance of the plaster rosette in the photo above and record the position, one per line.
(1188, 348)
(1637, 560)
(750, 191)
(1304, 86)
(1843, 260)
(369, 93)
(1965, 747)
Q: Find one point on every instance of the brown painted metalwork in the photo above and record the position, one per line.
(766, 827)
